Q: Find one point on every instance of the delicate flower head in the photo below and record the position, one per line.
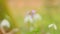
(33, 17)
(37, 17)
(52, 25)
(55, 27)
(28, 19)
(5, 23)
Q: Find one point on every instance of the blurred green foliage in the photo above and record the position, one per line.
(49, 12)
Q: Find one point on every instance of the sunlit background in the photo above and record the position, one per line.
(15, 10)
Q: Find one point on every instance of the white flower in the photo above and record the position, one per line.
(0, 25)
(49, 26)
(5, 23)
(28, 19)
(37, 17)
(32, 18)
(55, 27)
(52, 25)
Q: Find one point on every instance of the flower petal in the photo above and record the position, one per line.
(5, 23)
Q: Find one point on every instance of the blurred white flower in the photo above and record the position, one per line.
(37, 17)
(5, 23)
(28, 19)
(53, 26)
(50, 25)
(33, 17)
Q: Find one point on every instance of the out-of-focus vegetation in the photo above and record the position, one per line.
(14, 11)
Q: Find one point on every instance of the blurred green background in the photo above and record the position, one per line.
(14, 11)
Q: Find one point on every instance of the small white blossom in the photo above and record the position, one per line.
(37, 17)
(32, 18)
(52, 25)
(5, 23)
(55, 27)
(28, 19)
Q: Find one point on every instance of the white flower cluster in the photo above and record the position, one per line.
(5, 23)
(28, 19)
(33, 17)
(36, 17)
